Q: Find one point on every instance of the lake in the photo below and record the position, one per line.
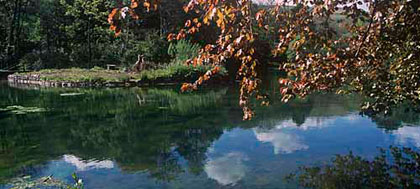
(161, 138)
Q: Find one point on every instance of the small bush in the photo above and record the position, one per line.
(183, 50)
(176, 72)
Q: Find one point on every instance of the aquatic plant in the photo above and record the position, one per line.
(45, 182)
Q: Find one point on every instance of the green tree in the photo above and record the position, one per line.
(87, 29)
(18, 30)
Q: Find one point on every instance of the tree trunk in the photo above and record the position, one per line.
(89, 45)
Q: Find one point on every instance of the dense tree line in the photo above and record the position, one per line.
(368, 47)
(38, 34)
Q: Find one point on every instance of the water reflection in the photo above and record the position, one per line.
(408, 135)
(161, 138)
(282, 141)
(393, 168)
(228, 169)
(85, 165)
(309, 123)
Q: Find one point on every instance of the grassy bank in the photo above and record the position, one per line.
(172, 73)
(175, 73)
(78, 75)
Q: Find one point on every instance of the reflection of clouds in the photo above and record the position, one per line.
(287, 142)
(228, 169)
(83, 165)
(407, 135)
(311, 122)
(282, 142)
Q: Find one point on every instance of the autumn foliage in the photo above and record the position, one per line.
(378, 57)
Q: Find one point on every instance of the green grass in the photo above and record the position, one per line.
(176, 72)
(170, 73)
(80, 75)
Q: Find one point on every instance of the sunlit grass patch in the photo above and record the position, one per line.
(80, 75)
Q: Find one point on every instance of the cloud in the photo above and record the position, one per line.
(286, 142)
(407, 135)
(83, 165)
(310, 123)
(283, 143)
(228, 169)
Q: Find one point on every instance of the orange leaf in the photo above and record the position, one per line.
(134, 4)
(147, 5)
(185, 87)
(112, 15)
(216, 69)
(171, 37)
(188, 23)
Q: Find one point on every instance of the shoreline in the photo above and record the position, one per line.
(38, 80)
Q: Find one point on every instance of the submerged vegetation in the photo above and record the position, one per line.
(45, 182)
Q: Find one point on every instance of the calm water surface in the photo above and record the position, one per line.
(157, 137)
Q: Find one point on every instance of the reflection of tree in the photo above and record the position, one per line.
(401, 116)
(398, 170)
(151, 136)
(167, 167)
(20, 146)
(109, 124)
(195, 145)
(299, 110)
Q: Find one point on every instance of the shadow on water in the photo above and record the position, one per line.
(155, 130)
